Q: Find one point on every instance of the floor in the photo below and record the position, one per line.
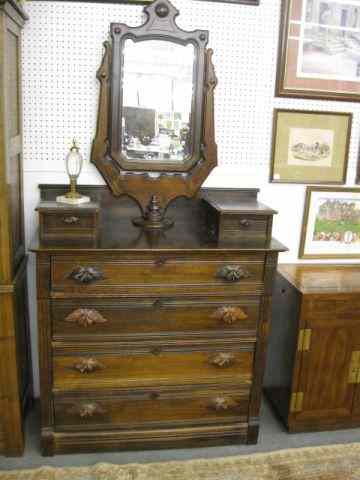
(272, 437)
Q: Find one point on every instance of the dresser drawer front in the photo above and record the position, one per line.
(152, 409)
(153, 365)
(243, 227)
(163, 273)
(92, 320)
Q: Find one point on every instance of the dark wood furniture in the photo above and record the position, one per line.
(140, 179)
(59, 221)
(313, 371)
(15, 361)
(153, 338)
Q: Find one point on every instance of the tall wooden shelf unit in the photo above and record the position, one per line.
(15, 361)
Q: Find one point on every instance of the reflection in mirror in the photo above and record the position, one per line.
(157, 101)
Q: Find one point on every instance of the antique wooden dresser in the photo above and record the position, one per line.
(313, 368)
(155, 339)
(15, 361)
(153, 334)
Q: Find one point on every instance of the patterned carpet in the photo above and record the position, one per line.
(337, 462)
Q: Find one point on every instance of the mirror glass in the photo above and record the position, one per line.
(158, 88)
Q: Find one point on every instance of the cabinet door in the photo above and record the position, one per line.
(324, 384)
(11, 217)
(14, 157)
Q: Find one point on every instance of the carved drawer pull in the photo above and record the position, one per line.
(222, 360)
(159, 262)
(244, 223)
(86, 274)
(156, 350)
(220, 404)
(87, 410)
(88, 365)
(85, 317)
(232, 273)
(71, 220)
(229, 315)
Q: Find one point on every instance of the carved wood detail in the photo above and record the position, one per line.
(87, 410)
(88, 365)
(232, 273)
(85, 317)
(222, 404)
(86, 274)
(71, 220)
(230, 315)
(222, 360)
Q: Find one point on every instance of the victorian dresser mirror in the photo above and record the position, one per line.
(155, 136)
(154, 333)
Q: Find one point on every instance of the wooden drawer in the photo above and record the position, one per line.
(95, 319)
(244, 227)
(154, 408)
(156, 364)
(58, 221)
(68, 221)
(157, 274)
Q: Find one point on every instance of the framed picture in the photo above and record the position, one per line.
(240, 2)
(331, 223)
(319, 53)
(310, 147)
(133, 2)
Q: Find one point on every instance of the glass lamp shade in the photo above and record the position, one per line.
(74, 161)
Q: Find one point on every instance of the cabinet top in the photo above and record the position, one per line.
(329, 278)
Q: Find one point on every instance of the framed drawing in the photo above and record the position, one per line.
(331, 223)
(310, 147)
(319, 53)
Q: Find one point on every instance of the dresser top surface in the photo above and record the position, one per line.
(124, 236)
(315, 278)
(189, 233)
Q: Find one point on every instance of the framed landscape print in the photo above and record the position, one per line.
(310, 147)
(319, 53)
(331, 223)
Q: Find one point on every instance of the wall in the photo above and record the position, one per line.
(62, 49)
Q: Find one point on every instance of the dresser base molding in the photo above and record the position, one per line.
(54, 443)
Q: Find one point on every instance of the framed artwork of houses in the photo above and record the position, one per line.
(319, 54)
(331, 223)
(310, 147)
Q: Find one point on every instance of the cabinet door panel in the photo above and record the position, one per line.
(324, 378)
(14, 143)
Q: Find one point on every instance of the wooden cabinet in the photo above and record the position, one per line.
(15, 361)
(314, 347)
(153, 339)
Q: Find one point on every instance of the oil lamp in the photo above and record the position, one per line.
(74, 163)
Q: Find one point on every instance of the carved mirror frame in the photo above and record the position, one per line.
(153, 189)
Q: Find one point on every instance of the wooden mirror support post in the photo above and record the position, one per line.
(154, 190)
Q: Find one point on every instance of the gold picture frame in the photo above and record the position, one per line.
(331, 223)
(310, 147)
(312, 34)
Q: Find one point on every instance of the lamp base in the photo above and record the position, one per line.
(73, 201)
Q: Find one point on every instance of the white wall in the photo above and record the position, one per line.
(62, 49)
